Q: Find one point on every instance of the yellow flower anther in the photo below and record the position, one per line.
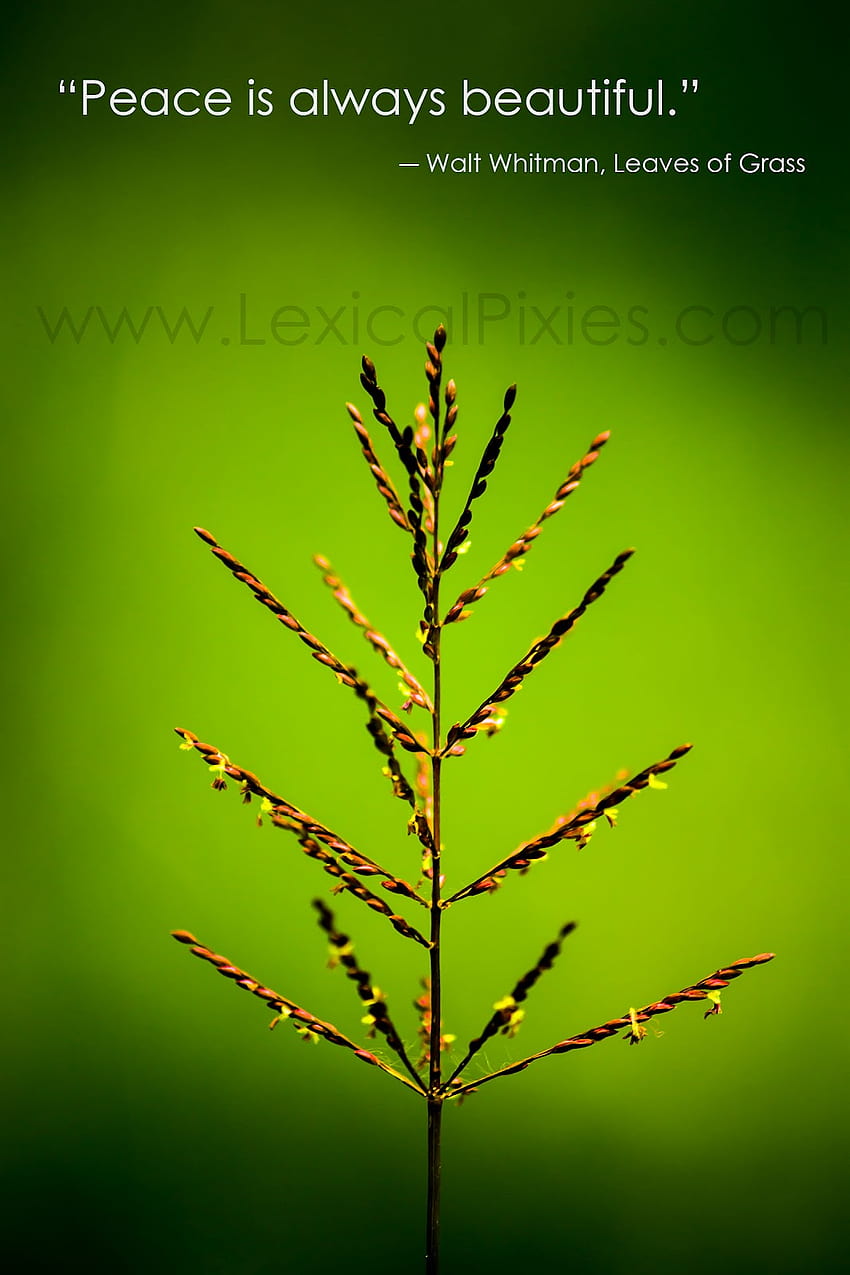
(655, 782)
(218, 770)
(716, 1007)
(495, 721)
(266, 807)
(506, 1003)
(584, 834)
(636, 1031)
(514, 1023)
(511, 1014)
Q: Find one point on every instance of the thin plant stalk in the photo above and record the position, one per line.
(435, 1100)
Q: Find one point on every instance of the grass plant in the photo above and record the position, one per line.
(415, 747)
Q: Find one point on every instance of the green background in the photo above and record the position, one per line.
(154, 1123)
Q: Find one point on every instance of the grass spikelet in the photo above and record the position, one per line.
(382, 479)
(479, 483)
(416, 692)
(377, 1017)
(415, 463)
(430, 1033)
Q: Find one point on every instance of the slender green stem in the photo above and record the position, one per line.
(435, 1101)
(436, 909)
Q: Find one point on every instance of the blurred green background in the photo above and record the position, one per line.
(154, 1124)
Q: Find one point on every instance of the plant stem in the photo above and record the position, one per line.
(435, 1102)
(432, 1235)
(436, 909)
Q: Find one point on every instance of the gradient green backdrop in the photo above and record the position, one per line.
(154, 1124)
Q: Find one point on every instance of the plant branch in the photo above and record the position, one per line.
(479, 483)
(415, 463)
(302, 1020)
(575, 828)
(508, 1015)
(536, 653)
(378, 1014)
(347, 675)
(520, 547)
(350, 883)
(382, 478)
(282, 811)
(706, 989)
(417, 693)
